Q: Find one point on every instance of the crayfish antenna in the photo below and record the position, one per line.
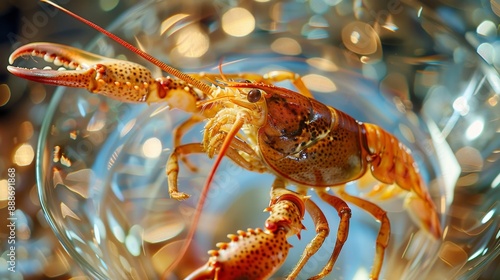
(221, 72)
(163, 66)
(204, 192)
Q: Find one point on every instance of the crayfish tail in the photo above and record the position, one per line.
(423, 212)
(391, 162)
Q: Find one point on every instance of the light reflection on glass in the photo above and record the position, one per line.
(99, 231)
(116, 227)
(67, 212)
(496, 182)
(361, 274)
(474, 130)
(487, 217)
(132, 241)
(391, 26)
(192, 42)
(238, 22)
(487, 28)
(318, 21)
(152, 147)
(171, 21)
(127, 127)
(319, 83)
(360, 38)
(487, 52)
(323, 64)
(286, 46)
(460, 105)
(96, 123)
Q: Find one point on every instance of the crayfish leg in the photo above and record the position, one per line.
(283, 75)
(342, 232)
(270, 78)
(172, 169)
(322, 231)
(385, 228)
(378, 190)
(423, 213)
(182, 129)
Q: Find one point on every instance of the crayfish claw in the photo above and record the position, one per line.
(262, 250)
(81, 69)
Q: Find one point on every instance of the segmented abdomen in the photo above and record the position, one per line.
(391, 161)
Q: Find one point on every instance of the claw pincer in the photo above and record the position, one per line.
(122, 80)
(251, 254)
(257, 253)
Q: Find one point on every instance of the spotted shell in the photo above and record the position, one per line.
(251, 254)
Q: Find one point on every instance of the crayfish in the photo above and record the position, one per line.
(262, 128)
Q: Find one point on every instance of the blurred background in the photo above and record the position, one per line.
(23, 106)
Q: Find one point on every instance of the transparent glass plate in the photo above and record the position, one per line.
(101, 163)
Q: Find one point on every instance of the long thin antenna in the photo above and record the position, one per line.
(167, 68)
(200, 85)
(204, 192)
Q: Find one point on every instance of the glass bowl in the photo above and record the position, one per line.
(101, 163)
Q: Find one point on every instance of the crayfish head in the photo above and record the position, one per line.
(246, 96)
(287, 112)
(122, 80)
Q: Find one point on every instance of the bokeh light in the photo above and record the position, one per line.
(152, 147)
(4, 94)
(23, 155)
(238, 22)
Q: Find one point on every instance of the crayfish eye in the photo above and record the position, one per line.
(254, 95)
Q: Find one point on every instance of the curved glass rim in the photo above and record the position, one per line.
(41, 153)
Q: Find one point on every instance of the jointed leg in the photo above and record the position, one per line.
(179, 131)
(250, 162)
(172, 169)
(270, 77)
(384, 233)
(322, 231)
(282, 75)
(378, 190)
(343, 230)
